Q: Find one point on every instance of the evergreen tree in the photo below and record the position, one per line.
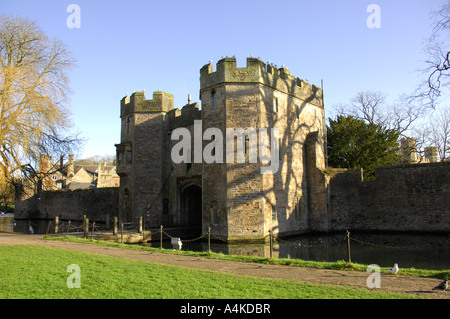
(353, 143)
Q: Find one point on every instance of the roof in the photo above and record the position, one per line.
(91, 169)
(80, 185)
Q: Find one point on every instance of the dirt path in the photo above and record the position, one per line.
(399, 284)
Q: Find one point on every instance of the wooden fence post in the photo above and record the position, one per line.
(115, 224)
(160, 238)
(86, 227)
(56, 224)
(271, 243)
(121, 233)
(348, 247)
(68, 228)
(209, 238)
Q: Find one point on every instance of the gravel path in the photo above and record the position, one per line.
(391, 283)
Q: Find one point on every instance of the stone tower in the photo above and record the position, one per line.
(264, 131)
(431, 153)
(239, 202)
(140, 155)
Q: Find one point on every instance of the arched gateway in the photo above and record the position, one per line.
(191, 206)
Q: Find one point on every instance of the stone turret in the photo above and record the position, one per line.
(143, 141)
(136, 103)
(258, 72)
(431, 153)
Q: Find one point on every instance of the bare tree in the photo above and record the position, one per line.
(371, 107)
(34, 89)
(368, 106)
(439, 132)
(437, 68)
(434, 131)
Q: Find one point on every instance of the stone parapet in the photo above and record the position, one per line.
(257, 71)
(136, 103)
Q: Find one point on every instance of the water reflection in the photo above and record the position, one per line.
(418, 250)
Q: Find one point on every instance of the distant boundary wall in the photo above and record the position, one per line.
(402, 198)
(96, 204)
(413, 198)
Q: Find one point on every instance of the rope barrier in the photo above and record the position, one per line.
(313, 245)
(195, 239)
(65, 227)
(398, 247)
(219, 238)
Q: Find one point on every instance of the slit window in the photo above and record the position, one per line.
(128, 125)
(280, 152)
(214, 99)
(246, 142)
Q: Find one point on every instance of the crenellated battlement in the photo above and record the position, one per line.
(185, 116)
(257, 71)
(136, 103)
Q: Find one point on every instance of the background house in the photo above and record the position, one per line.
(58, 175)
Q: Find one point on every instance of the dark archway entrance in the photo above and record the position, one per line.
(192, 206)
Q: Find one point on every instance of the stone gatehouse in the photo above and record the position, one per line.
(232, 197)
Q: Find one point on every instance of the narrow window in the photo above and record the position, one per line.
(128, 125)
(214, 99)
(246, 141)
(280, 146)
(275, 105)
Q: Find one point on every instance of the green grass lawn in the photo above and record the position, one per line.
(336, 265)
(41, 272)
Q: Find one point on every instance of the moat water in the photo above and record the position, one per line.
(408, 250)
(427, 251)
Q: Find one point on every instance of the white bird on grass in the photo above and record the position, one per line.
(394, 269)
(442, 286)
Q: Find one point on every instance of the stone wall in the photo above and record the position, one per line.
(96, 204)
(413, 197)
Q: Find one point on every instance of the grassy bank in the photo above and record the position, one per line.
(41, 272)
(338, 265)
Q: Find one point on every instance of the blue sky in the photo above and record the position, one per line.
(127, 46)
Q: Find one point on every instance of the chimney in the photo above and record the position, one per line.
(61, 162)
(70, 168)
